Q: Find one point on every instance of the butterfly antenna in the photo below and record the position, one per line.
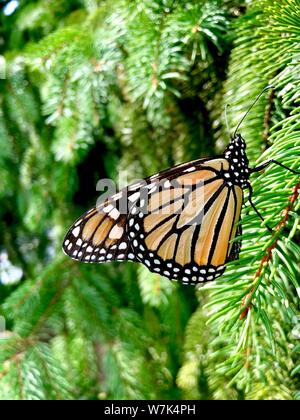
(226, 118)
(251, 106)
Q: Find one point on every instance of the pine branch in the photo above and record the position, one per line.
(92, 90)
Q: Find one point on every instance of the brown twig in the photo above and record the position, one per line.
(246, 301)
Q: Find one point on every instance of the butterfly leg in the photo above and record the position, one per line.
(255, 209)
(265, 164)
(260, 168)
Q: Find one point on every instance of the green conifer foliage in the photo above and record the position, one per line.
(97, 88)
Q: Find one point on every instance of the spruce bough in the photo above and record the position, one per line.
(91, 89)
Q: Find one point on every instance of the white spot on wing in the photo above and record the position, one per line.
(191, 169)
(76, 231)
(114, 214)
(108, 208)
(134, 197)
(153, 189)
(116, 232)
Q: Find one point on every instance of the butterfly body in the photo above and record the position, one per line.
(179, 223)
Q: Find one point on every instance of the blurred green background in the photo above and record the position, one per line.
(94, 89)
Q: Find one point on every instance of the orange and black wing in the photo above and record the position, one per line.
(185, 232)
(101, 234)
(179, 224)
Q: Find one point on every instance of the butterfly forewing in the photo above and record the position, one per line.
(190, 220)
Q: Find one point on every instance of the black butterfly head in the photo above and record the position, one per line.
(238, 139)
(235, 153)
(236, 147)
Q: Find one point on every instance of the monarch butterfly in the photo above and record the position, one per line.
(180, 222)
